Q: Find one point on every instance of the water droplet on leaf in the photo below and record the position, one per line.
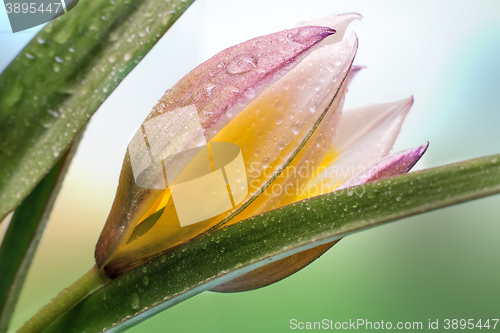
(134, 301)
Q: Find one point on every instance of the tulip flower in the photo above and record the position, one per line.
(278, 100)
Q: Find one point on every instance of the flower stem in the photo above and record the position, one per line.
(65, 300)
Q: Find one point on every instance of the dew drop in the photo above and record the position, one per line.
(127, 56)
(53, 113)
(312, 106)
(279, 105)
(131, 38)
(296, 127)
(40, 40)
(330, 67)
(301, 84)
(209, 88)
(145, 280)
(59, 60)
(30, 56)
(134, 301)
(241, 64)
(250, 93)
(279, 119)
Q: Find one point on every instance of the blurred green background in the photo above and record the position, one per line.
(443, 264)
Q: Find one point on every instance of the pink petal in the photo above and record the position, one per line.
(226, 83)
(393, 165)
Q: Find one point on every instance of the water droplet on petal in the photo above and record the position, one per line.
(296, 127)
(241, 64)
(279, 119)
(330, 67)
(301, 84)
(312, 106)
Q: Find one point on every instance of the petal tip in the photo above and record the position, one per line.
(310, 35)
(411, 99)
(403, 106)
(353, 16)
(421, 149)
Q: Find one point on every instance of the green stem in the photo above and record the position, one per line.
(66, 299)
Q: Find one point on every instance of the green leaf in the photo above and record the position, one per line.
(237, 249)
(24, 233)
(56, 83)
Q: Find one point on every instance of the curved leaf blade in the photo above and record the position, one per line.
(23, 235)
(56, 83)
(237, 249)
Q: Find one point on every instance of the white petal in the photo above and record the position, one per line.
(365, 136)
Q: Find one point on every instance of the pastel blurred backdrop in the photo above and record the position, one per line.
(443, 264)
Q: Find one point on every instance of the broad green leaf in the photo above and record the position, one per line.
(237, 249)
(56, 83)
(22, 238)
(24, 233)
